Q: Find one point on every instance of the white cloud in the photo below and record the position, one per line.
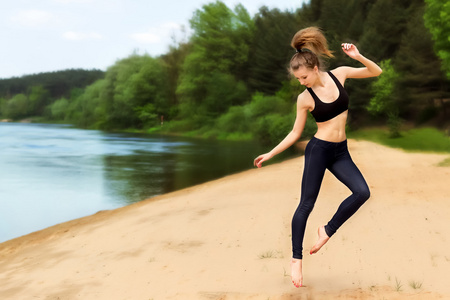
(146, 38)
(157, 34)
(171, 26)
(78, 36)
(32, 18)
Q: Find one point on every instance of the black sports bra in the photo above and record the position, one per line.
(326, 111)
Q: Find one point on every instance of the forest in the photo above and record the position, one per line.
(33, 95)
(229, 80)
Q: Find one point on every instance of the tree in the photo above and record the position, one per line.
(58, 83)
(343, 21)
(223, 91)
(271, 51)
(39, 98)
(383, 100)
(173, 62)
(219, 45)
(59, 109)
(149, 91)
(385, 24)
(87, 110)
(17, 107)
(437, 20)
(3, 105)
(134, 91)
(421, 81)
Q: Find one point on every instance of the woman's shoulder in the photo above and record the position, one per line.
(341, 73)
(305, 100)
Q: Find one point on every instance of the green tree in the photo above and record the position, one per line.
(58, 83)
(173, 62)
(87, 110)
(385, 25)
(59, 109)
(149, 89)
(271, 51)
(118, 100)
(38, 98)
(17, 107)
(344, 22)
(222, 92)
(422, 80)
(312, 10)
(219, 45)
(3, 107)
(133, 94)
(383, 100)
(437, 20)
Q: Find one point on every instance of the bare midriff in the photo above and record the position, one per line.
(333, 130)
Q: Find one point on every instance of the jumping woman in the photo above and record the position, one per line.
(327, 100)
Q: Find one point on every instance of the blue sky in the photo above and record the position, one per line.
(49, 35)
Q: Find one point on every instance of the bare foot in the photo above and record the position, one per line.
(323, 239)
(296, 272)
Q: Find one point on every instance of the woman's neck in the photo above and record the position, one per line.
(321, 80)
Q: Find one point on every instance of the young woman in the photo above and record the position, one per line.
(327, 100)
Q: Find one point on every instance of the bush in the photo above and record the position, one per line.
(17, 107)
(279, 127)
(59, 109)
(235, 120)
(263, 105)
(271, 129)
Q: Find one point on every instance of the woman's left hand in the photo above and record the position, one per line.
(350, 50)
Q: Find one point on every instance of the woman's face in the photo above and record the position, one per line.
(306, 76)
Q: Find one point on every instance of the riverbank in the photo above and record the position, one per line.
(56, 173)
(230, 239)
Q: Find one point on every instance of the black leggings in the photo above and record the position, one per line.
(319, 156)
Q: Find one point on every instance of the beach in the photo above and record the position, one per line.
(231, 239)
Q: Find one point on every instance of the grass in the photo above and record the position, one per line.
(433, 257)
(270, 254)
(418, 139)
(415, 284)
(398, 285)
(445, 163)
(267, 254)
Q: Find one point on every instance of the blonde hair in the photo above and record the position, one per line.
(311, 46)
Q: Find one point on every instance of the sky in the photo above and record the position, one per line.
(49, 35)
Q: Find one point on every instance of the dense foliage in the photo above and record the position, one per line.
(437, 20)
(32, 95)
(230, 79)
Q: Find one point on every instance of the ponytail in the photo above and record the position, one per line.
(313, 39)
(311, 46)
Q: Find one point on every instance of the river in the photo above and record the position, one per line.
(55, 173)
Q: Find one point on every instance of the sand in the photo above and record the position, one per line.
(230, 239)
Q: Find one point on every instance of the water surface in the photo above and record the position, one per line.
(54, 173)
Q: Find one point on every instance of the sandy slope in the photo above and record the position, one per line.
(230, 239)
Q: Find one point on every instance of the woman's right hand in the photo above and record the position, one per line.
(262, 158)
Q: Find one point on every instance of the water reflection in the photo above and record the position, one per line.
(158, 165)
(53, 173)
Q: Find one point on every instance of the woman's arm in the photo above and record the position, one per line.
(291, 138)
(371, 69)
